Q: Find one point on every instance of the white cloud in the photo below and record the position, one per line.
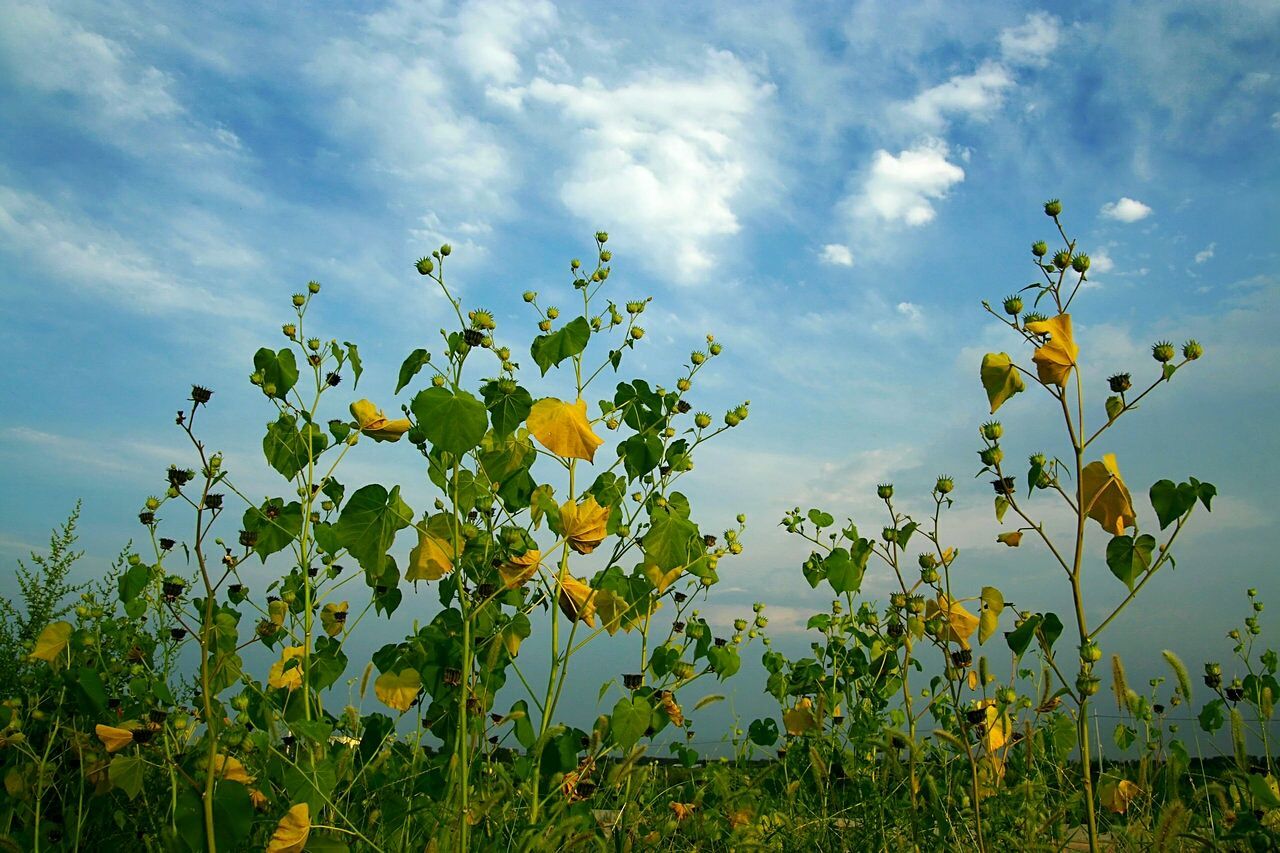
(975, 95)
(663, 157)
(1206, 253)
(1126, 210)
(490, 32)
(836, 254)
(1100, 262)
(1031, 42)
(901, 189)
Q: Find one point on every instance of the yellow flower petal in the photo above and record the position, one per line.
(563, 428)
(52, 642)
(283, 673)
(430, 560)
(292, 831)
(375, 424)
(801, 718)
(112, 738)
(584, 524)
(517, 570)
(397, 690)
(1116, 796)
(231, 769)
(331, 621)
(1055, 359)
(960, 622)
(1013, 538)
(577, 600)
(1106, 498)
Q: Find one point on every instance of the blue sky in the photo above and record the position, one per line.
(829, 188)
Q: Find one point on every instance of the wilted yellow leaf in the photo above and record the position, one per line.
(671, 709)
(1116, 796)
(397, 690)
(661, 579)
(231, 769)
(52, 642)
(960, 622)
(112, 738)
(285, 674)
(375, 424)
(430, 560)
(577, 600)
(331, 621)
(517, 570)
(1013, 538)
(276, 611)
(988, 622)
(801, 718)
(1106, 498)
(1055, 359)
(584, 524)
(563, 428)
(292, 831)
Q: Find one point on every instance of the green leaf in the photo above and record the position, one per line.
(1211, 717)
(507, 409)
(369, 522)
(1000, 378)
(519, 715)
(763, 732)
(820, 518)
(1206, 491)
(629, 721)
(1019, 639)
(133, 582)
(1263, 792)
(1002, 506)
(640, 455)
(1128, 557)
(353, 355)
(725, 661)
(905, 533)
(1170, 501)
(1050, 631)
(453, 422)
(1124, 736)
(415, 361)
(275, 523)
(126, 773)
(671, 541)
(288, 449)
(277, 368)
(1115, 406)
(843, 572)
(550, 350)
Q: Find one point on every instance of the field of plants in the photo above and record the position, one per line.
(943, 718)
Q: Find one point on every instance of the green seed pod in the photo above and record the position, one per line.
(1080, 263)
(1192, 350)
(1162, 351)
(884, 491)
(1053, 207)
(944, 485)
(1040, 248)
(1013, 305)
(425, 266)
(1062, 259)
(299, 300)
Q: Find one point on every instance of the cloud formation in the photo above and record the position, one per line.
(1125, 210)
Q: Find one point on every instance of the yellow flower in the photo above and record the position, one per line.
(1055, 359)
(112, 738)
(397, 690)
(52, 642)
(258, 799)
(290, 678)
(331, 621)
(1116, 796)
(1013, 538)
(671, 709)
(584, 524)
(683, 810)
(563, 428)
(517, 570)
(292, 831)
(577, 600)
(430, 560)
(1106, 498)
(801, 718)
(960, 622)
(375, 424)
(231, 769)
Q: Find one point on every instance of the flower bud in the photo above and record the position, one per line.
(884, 491)
(731, 418)
(446, 250)
(1052, 207)
(290, 330)
(992, 430)
(1087, 685)
(313, 287)
(606, 256)
(425, 266)
(1162, 351)
(1012, 305)
(1080, 263)
(898, 600)
(636, 333)
(715, 349)
(1192, 350)
(1120, 382)
(437, 381)
(299, 300)
(602, 236)
(544, 325)
(1090, 652)
(991, 455)
(1040, 248)
(683, 384)
(944, 485)
(1062, 259)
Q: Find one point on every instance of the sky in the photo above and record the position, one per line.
(831, 189)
